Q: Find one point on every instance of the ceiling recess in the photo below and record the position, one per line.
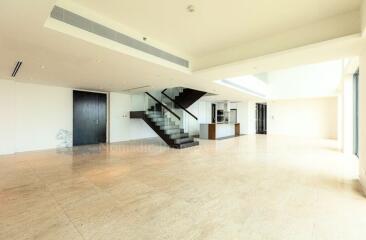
(135, 88)
(80, 22)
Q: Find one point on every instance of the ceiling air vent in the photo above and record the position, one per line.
(80, 22)
(16, 68)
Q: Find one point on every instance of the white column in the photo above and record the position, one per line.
(362, 119)
(348, 114)
(363, 18)
(340, 116)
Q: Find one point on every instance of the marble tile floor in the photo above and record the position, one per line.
(250, 187)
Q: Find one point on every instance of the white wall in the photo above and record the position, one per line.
(303, 117)
(41, 112)
(246, 117)
(120, 105)
(122, 128)
(33, 115)
(202, 110)
(7, 120)
(308, 81)
(205, 114)
(137, 102)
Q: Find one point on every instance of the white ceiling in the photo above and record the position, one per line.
(215, 24)
(73, 62)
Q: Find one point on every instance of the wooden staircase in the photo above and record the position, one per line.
(166, 129)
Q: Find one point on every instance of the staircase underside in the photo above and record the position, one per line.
(188, 96)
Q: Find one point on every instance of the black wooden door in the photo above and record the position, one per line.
(89, 118)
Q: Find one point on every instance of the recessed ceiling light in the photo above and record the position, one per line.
(43, 66)
(190, 8)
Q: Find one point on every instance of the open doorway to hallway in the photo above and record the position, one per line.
(261, 118)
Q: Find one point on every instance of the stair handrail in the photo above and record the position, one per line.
(160, 103)
(176, 103)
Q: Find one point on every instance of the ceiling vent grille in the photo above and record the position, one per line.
(16, 68)
(78, 21)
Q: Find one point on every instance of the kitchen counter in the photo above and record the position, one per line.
(219, 130)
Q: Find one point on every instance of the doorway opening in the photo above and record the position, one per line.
(261, 118)
(213, 113)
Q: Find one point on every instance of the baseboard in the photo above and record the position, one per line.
(5, 154)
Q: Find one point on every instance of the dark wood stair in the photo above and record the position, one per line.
(166, 129)
(187, 97)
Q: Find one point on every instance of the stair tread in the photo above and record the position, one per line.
(187, 145)
(178, 135)
(183, 140)
(171, 131)
(169, 127)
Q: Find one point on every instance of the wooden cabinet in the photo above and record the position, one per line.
(237, 129)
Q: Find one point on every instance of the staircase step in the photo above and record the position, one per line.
(171, 131)
(153, 113)
(166, 127)
(178, 135)
(183, 140)
(157, 119)
(186, 145)
(164, 123)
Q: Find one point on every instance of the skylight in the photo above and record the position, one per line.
(248, 84)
